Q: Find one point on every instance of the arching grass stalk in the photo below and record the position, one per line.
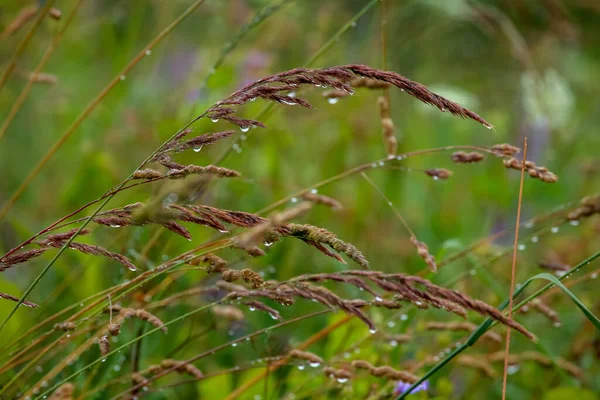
(266, 112)
(488, 323)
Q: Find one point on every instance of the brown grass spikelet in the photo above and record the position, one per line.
(438, 173)
(114, 329)
(335, 94)
(322, 199)
(146, 174)
(533, 170)
(312, 358)
(19, 258)
(26, 303)
(89, 249)
(368, 83)
(65, 326)
(214, 263)
(264, 229)
(63, 392)
(151, 318)
(312, 234)
(462, 157)
(423, 252)
(504, 150)
(104, 345)
(257, 305)
(589, 206)
(213, 170)
(385, 371)
(341, 375)
(182, 367)
(228, 312)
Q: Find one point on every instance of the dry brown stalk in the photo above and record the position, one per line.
(504, 150)
(514, 267)
(589, 206)
(341, 375)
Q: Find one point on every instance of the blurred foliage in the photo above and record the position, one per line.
(529, 67)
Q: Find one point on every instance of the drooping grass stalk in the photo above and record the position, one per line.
(92, 106)
(513, 270)
(266, 112)
(53, 45)
(12, 63)
(488, 323)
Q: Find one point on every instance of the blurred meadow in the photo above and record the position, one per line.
(530, 68)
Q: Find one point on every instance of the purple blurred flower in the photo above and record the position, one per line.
(402, 387)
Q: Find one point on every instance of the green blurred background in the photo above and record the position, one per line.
(530, 67)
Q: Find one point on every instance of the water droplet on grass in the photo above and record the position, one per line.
(333, 100)
(244, 128)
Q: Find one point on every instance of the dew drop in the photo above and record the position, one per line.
(535, 239)
(292, 94)
(346, 355)
(512, 369)
(44, 383)
(148, 52)
(399, 158)
(273, 316)
(521, 247)
(244, 128)
(391, 324)
(268, 244)
(393, 343)
(234, 344)
(214, 119)
(117, 367)
(104, 360)
(197, 149)
(378, 298)
(294, 200)
(333, 100)
(374, 165)
(243, 137)
(122, 77)
(554, 229)
(556, 324)
(313, 191)
(39, 368)
(132, 268)
(301, 367)
(435, 178)
(594, 275)
(473, 272)
(353, 24)
(403, 317)
(574, 222)
(342, 380)
(314, 364)
(373, 331)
